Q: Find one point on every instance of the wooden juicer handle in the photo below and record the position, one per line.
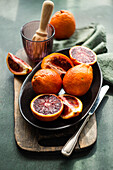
(47, 9)
(41, 33)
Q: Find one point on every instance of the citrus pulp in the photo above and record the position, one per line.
(81, 54)
(72, 106)
(46, 107)
(57, 61)
(17, 66)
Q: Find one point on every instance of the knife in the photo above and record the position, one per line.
(71, 143)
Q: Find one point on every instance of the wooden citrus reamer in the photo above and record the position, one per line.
(41, 33)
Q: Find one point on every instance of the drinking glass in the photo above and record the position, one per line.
(36, 50)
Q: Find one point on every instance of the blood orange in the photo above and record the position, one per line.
(72, 106)
(46, 81)
(57, 61)
(78, 79)
(46, 107)
(64, 24)
(17, 66)
(80, 54)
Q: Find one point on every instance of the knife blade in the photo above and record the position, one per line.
(71, 143)
(102, 93)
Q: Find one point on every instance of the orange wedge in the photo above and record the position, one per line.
(17, 66)
(72, 106)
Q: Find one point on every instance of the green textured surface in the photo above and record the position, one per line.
(13, 14)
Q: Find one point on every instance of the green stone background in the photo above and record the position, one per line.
(13, 14)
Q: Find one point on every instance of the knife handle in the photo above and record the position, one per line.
(71, 143)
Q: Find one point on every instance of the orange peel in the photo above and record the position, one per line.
(46, 107)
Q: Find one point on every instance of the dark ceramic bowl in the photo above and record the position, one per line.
(27, 94)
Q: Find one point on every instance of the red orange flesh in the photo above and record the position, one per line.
(81, 54)
(58, 62)
(17, 66)
(72, 106)
(46, 107)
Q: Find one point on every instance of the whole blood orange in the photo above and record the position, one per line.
(46, 81)
(57, 61)
(72, 106)
(64, 24)
(46, 107)
(17, 66)
(78, 79)
(80, 54)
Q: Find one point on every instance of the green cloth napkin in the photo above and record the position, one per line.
(94, 37)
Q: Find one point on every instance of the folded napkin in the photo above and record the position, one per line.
(94, 37)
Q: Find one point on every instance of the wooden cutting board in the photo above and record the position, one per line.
(33, 139)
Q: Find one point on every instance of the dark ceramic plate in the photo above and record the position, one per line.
(27, 94)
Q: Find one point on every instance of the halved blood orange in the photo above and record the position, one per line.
(46, 107)
(81, 54)
(57, 61)
(72, 106)
(17, 66)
